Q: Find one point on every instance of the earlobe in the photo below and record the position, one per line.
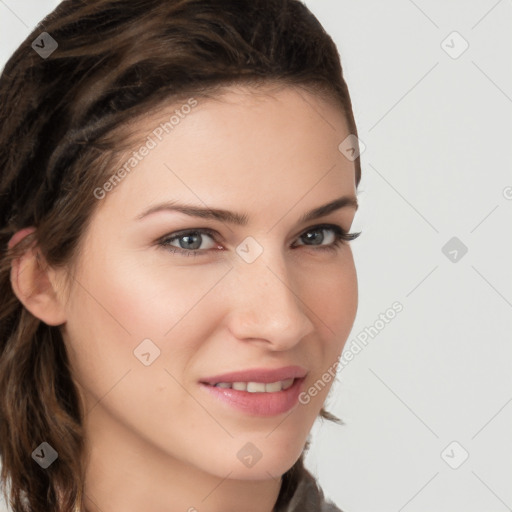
(32, 285)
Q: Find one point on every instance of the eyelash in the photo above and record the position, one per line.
(340, 238)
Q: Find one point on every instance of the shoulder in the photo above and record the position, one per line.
(309, 497)
(327, 506)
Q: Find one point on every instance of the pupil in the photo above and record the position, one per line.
(317, 237)
(188, 238)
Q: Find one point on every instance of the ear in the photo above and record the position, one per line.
(35, 285)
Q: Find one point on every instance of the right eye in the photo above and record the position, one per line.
(193, 240)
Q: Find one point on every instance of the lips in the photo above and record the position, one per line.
(260, 392)
(263, 375)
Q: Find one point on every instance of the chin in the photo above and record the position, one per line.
(275, 460)
(263, 471)
(243, 459)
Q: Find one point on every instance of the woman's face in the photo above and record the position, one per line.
(149, 331)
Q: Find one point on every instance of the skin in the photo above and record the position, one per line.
(155, 440)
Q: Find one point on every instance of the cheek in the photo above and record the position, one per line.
(111, 314)
(117, 306)
(331, 291)
(332, 295)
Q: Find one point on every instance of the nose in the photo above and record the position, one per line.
(267, 305)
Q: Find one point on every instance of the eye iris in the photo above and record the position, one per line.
(189, 237)
(316, 238)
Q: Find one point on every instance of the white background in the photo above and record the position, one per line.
(437, 164)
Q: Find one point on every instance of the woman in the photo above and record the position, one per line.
(134, 135)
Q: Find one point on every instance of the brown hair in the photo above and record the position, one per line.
(115, 60)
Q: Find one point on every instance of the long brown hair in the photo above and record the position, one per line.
(59, 116)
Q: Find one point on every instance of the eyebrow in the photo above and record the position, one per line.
(241, 219)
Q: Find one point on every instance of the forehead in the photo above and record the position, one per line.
(244, 146)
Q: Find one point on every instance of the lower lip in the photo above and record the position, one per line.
(258, 404)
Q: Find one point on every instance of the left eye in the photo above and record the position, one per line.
(316, 235)
(192, 239)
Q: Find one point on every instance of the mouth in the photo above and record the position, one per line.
(260, 392)
(258, 376)
(257, 387)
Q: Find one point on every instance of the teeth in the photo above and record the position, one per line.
(257, 387)
(272, 387)
(287, 383)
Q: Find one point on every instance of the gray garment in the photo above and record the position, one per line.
(308, 497)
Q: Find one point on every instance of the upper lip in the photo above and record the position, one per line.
(265, 375)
